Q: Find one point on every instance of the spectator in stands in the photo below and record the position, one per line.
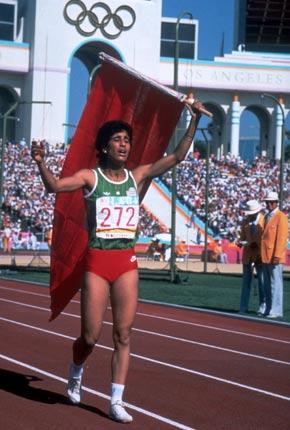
(162, 251)
(210, 253)
(154, 251)
(23, 142)
(221, 255)
(149, 225)
(273, 253)
(250, 240)
(198, 236)
(214, 251)
(32, 243)
(232, 183)
(7, 239)
(181, 250)
(48, 236)
(191, 223)
(15, 240)
(27, 202)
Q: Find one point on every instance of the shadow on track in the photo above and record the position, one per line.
(19, 384)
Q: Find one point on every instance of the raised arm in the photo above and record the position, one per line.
(82, 178)
(161, 166)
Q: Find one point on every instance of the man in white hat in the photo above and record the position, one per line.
(250, 239)
(273, 253)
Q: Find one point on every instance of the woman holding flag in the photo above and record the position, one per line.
(112, 200)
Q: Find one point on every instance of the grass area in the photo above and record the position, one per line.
(26, 276)
(207, 291)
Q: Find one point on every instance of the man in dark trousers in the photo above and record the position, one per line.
(273, 253)
(250, 239)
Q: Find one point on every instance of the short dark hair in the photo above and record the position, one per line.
(108, 129)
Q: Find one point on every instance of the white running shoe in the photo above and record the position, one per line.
(74, 387)
(118, 413)
(262, 309)
(271, 315)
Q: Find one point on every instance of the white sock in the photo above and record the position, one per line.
(76, 370)
(117, 392)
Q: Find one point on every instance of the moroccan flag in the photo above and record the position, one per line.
(153, 111)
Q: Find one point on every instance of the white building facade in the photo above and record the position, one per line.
(39, 40)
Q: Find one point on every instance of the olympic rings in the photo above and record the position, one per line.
(110, 18)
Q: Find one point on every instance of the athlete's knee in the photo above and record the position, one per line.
(87, 340)
(121, 336)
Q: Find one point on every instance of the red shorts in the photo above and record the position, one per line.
(110, 264)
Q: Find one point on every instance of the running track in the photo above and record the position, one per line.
(189, 369)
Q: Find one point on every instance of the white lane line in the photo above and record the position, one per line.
(166, 336)
(161, 363)
(219, 348)
(47, 296)
(98, 393)
(153, 316)
(242, 333)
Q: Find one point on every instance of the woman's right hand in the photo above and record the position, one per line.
(37, 151)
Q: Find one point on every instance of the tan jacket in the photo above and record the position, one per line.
(251, 252)
(274, 238)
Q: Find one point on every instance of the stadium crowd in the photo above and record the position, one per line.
(27, 208)
(232, 182)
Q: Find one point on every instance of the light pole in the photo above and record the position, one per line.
(203, 131)
(173, 171)
(5, 117)
(68, 124)
(282, 157)
(91, 77)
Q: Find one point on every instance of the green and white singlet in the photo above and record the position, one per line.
(113, 212)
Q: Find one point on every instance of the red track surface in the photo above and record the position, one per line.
(189, 369)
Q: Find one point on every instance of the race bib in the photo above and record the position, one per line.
(117, 217)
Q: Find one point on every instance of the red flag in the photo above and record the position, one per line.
(153, 111)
